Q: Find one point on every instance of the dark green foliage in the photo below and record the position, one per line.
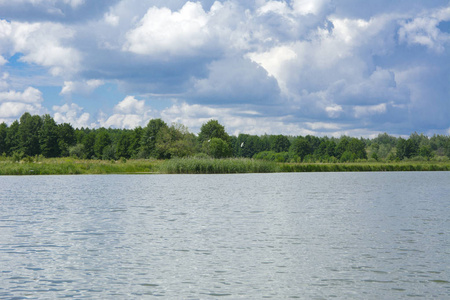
(77, 151)
(3, 133)
(301, 148)
(48, 137)
(12, 138)
(109, 153)
(175, 141)
(124, 144)
(67, 138)
(212, 129)
(148, 139)
(280, 143)
(89, 142)
(406, 148)
(217, 148)
(272, 156)
(246, 145)
(101, 141)
(29, 134)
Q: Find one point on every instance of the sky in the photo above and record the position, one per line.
(298, 67)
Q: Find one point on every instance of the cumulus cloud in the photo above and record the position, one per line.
(129, 113)
(163, 31)
(424, 30)
(85, 87)
(13, 103)
(72, 114)
(41, 44)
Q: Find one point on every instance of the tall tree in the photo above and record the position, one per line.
(212, 129)
(48, 137)
(12, 138)
(280, 143)
(66, 138)
(3, 131)
(300, 147)
(148, 139)
(29, 134)
(101, 141)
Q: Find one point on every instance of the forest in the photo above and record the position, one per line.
(40, 136)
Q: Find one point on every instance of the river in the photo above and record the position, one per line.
(251, 236)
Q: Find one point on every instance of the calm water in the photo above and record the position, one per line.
(304, 235)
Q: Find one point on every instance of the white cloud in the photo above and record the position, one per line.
(274, 62)
(30, 95)
(41, 44)
(163, 31)
(72, 114)
(305, 7)
(111, 19)
(235, 120)
(13, 104)
(423, 30)
(130, 105)
(129, 113)
(334, 111)
(363, 111)
(85, 87)
(323, 125)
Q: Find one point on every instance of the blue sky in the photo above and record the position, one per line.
(298, 67)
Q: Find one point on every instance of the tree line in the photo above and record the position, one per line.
(34, 135)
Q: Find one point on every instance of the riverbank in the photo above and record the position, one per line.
(62, 166)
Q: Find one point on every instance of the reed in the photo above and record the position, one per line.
(60, 166)
(365, 167)
(216, 166)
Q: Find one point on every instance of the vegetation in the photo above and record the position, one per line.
(38, 145)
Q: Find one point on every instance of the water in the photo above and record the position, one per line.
(252, 236)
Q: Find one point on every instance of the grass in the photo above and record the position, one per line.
(367, 166)
(216, 166)
(60, 166)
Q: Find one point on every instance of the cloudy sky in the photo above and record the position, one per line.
(321, 67)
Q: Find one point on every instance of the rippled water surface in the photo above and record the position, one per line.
(304, 235)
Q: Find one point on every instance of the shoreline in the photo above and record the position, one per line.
(69, 166)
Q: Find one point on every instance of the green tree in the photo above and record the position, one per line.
(88, 142)
(135, 141)
(3, 132)
(406, 148)
(48, 137)
(326, 149)
(148, 139)
(212, 129)
(12, 138)
(175, 141)
(300, 147)
(123, 144)
(29, 134)
(425, 151)
(358, 148)
(342, 146)
(280, 143)
(77, 151)
(247, 145)
(101, 141)
(66, 138)
(217, 148)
